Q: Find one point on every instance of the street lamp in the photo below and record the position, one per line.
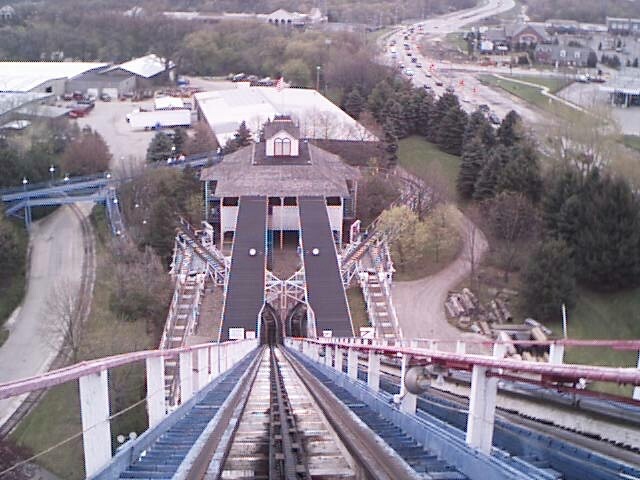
(66, 177)
(52, 170)
(318, 78)
(108, 175)
(24, 183)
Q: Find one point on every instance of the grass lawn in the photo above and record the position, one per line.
(532, 95)
(12, 284)
(57, 416)
(554, 84)
(358, 309)
(424, 158)
(632, 141)
(456, 40)
(604, 316)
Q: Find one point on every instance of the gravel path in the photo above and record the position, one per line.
(420, 303)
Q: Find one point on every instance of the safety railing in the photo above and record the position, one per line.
(198, 365)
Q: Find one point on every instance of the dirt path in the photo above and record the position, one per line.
(420, 303)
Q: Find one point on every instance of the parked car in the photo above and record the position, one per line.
(418, 65)
(493, 118)
(426, 86)
(484, 108)
(408, 72)
(439, 83)
(414, 60)
(238, 77)
(105, 97)
(67, 96)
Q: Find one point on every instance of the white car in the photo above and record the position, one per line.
(408, 72)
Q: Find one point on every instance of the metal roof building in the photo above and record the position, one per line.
(46, 77)
(317, 117)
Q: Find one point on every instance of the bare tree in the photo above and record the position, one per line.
(471, 235)
(65, 326)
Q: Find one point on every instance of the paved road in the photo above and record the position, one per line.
(472, 93)
(420, 303)
(57, 254)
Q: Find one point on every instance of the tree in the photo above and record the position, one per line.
(426, 106)
(510, 129)
(487, 182)
(354, 103)
(297, 72)
(548, 280)
(241, 138)
(592, 60)
(393, 115)
(375, 193)
(471, 164)
(451, 130)
(560, 187)
(521, 173)
(11, 255)
(86, 154)
(635, 63)
(390, 145)
(479, 126)
(66, 319)
(160, 148)
(511, 218)
(180, 139)
(202, 140)
(400, 227)
(445, 103)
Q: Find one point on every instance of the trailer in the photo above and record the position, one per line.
(159, 119)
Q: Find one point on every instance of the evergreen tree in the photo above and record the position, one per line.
(479, 126)
(242, 138)
(592, 60)
(445, 103)
(473, 159)
(549, 280)
(354, 103)
(510, 130)
(487, 182)
(180, 140)
(390, 144)
(426, 106)
(451, 130)
(522, 172)
(378, 98)
(160, 148)
(607, 248)
(393, 115)
(559, 189)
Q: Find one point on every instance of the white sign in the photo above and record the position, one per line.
(236, 333)
(250, 334)
(327, 333)
(367, 332)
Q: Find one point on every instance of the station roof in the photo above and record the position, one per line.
(247, 172)
(317, 117)
(627, 85)
(25, 76)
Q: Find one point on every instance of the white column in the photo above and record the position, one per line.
(373, 371)
(482, 409)
(339, 357)
(94, 411)
(556, 353)
(636, 390)
(352, 363)
(203, 368)
(156, 402)
(499, 350)
(328, 353)
(409, 400)
(461, 347)
(186, 376)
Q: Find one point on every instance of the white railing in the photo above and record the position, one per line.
(199, 365)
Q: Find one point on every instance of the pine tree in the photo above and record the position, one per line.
(479, 126)
(485, 187)
(510, 130)
(160, 148)
(390, 144)
(445, 103)
(426, 106)
(393, 114)
(180, 139)
(549, 280)
(521, 173)
(451, 131)
(607, 248)
(473, 159)
(354, 103)
(560, 188)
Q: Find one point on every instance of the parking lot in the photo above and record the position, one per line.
(128, 147)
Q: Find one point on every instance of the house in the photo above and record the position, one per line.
(527, 34)
(562, 55)
(623, 26)
(296, 19)
(7, 13)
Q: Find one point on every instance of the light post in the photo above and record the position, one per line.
(318, 78)
(27, 206)
(66, 178)
(24, 183)
(52, 170)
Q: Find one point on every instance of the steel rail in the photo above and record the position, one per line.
(565, 372)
